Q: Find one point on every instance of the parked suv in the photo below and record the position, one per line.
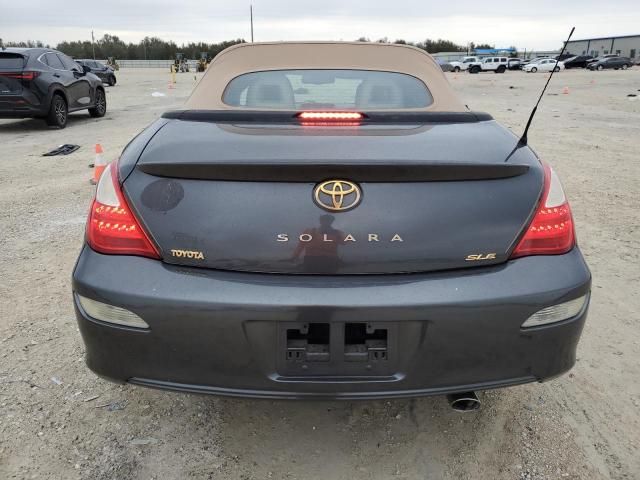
(464, 64)
(490, 64)
(102, 71)
(611, 62)
(44, 83)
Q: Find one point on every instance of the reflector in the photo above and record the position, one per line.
(110, 313)
(556, 313)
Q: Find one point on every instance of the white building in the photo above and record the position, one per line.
(625, 46)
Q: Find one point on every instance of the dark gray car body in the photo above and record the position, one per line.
(610, 62)
(99, 69)
(25, 99)
(220, 325)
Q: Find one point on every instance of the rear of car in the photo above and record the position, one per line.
(45, 83)
(20, 96)
(342, 226)
(99, 69)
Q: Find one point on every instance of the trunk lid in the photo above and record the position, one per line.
(241, 197)
(11, 68)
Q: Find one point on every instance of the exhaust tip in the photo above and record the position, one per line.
(464, 402)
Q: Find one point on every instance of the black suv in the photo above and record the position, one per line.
(44, 83)
(102, 71)
(579, 61)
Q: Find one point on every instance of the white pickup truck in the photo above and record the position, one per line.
(490, 64)
(464, 63)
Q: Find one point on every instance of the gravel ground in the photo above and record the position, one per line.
(59, 421)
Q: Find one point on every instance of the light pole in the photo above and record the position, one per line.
(93, 47)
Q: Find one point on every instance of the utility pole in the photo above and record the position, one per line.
(93, 46)
(251, 17)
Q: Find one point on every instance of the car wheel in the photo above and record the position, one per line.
(557, 69)
(534, 69)
(625, 66)
(456, 69)
(58, 112)
(501, 69)
(112, 80)
(600, 67)
(100, 108)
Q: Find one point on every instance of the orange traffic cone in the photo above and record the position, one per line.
(98, 165)
(565, 90)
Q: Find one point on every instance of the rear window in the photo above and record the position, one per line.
(68, 63)
(53, 61)
(9, 60)
(327, 89)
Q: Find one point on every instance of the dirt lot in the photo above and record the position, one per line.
(57, 420)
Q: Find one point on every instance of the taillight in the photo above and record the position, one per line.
(330, 118)
(551, 232)
(21, 75)
(112, 227)
(339, 116)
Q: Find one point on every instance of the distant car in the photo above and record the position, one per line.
(45, 83)
(102, 71)
(445, 66)
(514, 63)
(579, 61)
(597, 59)
(532, 60)
(490, 64)
(464, 64)
(544, 65)
(611, 62)
(564, 56)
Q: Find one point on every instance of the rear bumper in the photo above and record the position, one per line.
(26, 105)
(221, 332)
(104, 76)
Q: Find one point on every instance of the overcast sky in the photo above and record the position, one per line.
(540, 24)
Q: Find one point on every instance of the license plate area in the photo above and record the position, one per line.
(337, 349)
(309, 343)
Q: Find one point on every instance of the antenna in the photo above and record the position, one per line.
(523, 138)
(251, 17)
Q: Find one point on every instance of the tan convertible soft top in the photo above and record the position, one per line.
(255, 57)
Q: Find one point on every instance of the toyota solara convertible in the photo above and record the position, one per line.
(329, 220)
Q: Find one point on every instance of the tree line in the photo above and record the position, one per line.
(154, 48)
(433, 46)
(150, 48)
